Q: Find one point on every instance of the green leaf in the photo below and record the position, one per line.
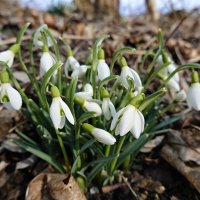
(99, 40)
(151, 98)
(85, 116)
(132, 148)
(106, 80)
(26, 138)
(99, 166)
(22, 32)
(167, 122)
(83, 148)
(41, 155)
(46, 79)
(118, 53)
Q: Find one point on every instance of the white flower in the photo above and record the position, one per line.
(87, 92)
(173, 83)
(103, 136)
(128, 72)
(10, 96)
(58, 111)
(181, 96)
(102, 69)
(128, 119)
(79, 71)
(37, 39)
(71, 65)
(92, 107)
(108, 108)
(46, 62)
(193, 96)
(7, 57)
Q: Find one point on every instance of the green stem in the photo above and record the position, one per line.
(63, 149)
(119, 146)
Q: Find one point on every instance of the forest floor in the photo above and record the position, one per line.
(160, 171)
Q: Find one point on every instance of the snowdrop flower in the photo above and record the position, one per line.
(46, 61)
(37, 39)
(103, 71)
(8, 55)
(72, 64)
(88, 105)
(9, 96)
(193, 95)
(128, 72)
(181, 96)
(107, 106)
(128, 119)
(59, 110)
(87, 92)
(79, 71)
(100, 134)
(173, 83)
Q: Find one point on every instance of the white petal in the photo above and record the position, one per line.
(137, 80)
(172, 68)
(138, 124)
(75, 73)
(126, 122)
(84, 95)
(112, 108)
(14, 98)
(103, 136)
(37, 37)
(93, 107)
(103, 70)
(126, 72)
(74, 64)
(7, 57)
(105, 108)
(62, 122)
(173, 84)
(193, 96)
(88, 88)
(46, 62)
(67, 111)
(55, 112)
(8, 106)
(181, 96)
(116, 117)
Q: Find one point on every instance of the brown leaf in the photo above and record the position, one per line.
(54, 186)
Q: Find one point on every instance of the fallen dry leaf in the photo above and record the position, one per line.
(54, 186)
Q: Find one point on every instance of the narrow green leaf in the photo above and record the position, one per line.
(118, 53)
(85, 116)
(41, 155)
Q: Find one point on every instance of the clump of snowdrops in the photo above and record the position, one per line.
(91, 121)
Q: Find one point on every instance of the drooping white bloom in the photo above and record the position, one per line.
(79, 71)
(108, 108)
(128, 119)
(37, 39)
(102, 69)
(103, 136)
(173, 83)
(71, 65)
(10, 96)
(193, 96)
(128, 72)
(181, 96)
(87, 92)
(92, 107)
(46, 62)
(7, 57)
(59, 110)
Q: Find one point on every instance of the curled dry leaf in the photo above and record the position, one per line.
(152, 144)
(54, 186)
(28, 162)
